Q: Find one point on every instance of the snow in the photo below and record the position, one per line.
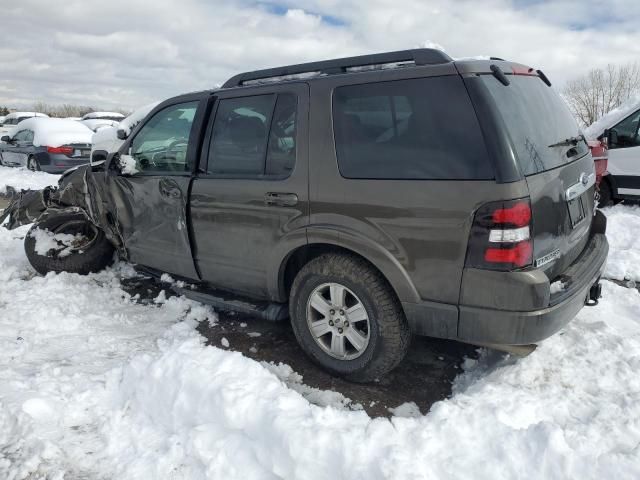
(53, 132)
(623, 233)
(556, 287)
(95, 385)
(60, 244)
(611, 118)
(128, 165)
(108, 115)
(224, 342)
(23, 179)
(136, 117)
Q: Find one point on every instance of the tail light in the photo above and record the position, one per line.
(500, 237)
(63, 150)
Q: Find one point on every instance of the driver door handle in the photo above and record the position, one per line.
(281, 199)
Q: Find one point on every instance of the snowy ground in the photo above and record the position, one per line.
(94, 384)
(23, 179)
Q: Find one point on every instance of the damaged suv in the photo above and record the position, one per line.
(365, 198)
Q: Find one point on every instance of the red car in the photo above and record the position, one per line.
(600, 155)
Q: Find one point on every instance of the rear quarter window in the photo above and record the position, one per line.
(422, 129)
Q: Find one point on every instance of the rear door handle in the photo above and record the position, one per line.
(281, 199)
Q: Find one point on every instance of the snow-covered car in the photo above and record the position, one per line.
(2, 117)
(49, 144)
(11, 120)
(99, 120)
(106, 140)
(619, 128)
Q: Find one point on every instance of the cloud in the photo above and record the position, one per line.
(121, 53)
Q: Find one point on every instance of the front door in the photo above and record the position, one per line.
(624, 155)
(150, 192)
(252, 193)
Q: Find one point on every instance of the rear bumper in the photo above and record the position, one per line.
(523, 327)
(508, 325)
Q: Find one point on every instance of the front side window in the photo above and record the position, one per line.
(625, 133)
(254, 136)
(161, 144)
(409, 129)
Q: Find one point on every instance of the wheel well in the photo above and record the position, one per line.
(303, 255)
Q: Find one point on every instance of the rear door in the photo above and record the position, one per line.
(251, 194)
(150, 199)
(23, 147)
(557, 164)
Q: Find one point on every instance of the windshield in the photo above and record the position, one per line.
(538, 122)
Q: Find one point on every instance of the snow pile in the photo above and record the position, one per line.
(23, 179)
(611, 118)
(623, 233)
(128, 165)
(59, 245)
(53, 132)
(93, 385)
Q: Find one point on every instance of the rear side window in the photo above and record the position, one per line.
(419, 129)
(254, 136)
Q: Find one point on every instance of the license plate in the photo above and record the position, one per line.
(576, 211)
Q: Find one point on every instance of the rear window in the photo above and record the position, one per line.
(409, 129)
(536, 118)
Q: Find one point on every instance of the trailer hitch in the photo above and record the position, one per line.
(595, 292)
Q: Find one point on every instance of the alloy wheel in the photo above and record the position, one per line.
(338, 321)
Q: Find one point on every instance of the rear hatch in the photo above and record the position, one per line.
(558, 167)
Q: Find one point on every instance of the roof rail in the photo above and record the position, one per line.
(419, 56)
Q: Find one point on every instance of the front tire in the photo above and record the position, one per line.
(347, 318)
(91, 252)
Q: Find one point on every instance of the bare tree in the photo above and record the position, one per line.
(602, 90)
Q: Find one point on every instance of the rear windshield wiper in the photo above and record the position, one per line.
(573, 141)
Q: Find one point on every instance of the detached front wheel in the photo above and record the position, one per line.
(67, 242)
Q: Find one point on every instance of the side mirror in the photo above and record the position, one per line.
(5, 139)
(121, 134)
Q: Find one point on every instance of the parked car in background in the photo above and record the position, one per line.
(2, 117)
(619, 130)
(49, 144)
(98, 120)
(11, 120)
(389, 194)
(106, 140)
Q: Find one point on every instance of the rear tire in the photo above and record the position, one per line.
(92, 255)
(33, 164)
(383, 337)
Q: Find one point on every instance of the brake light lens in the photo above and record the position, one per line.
(500, 237)
(518, 215)
(63, 150)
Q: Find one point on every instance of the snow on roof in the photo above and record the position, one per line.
(54, 132)
(132, 120)
(610, 119)
(97, 123)
(25, 114)
(102, 115)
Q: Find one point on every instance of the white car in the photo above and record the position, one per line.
(106, 140)
(11, 120)
(620, 127)
(98, 120)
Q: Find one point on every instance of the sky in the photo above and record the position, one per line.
(128, 53)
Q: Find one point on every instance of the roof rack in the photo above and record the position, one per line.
(419, 56)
